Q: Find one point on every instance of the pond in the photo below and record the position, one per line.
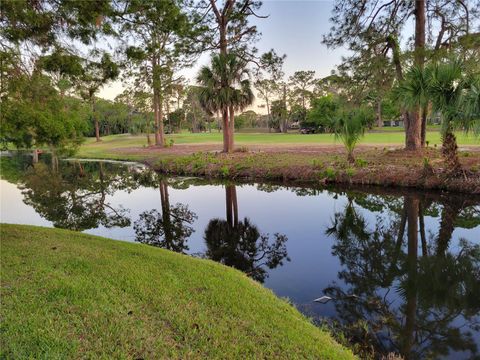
(395, 270)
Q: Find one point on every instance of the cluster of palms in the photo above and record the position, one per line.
(226, 88)
(449, 89)
(446, 88)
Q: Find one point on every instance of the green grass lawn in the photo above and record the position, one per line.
(380, 138)
(67, 295)
(109, 146)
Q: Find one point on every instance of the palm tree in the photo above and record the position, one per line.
(445, 82)
(413, 91)
(225, 87)
(349, 128)
(470, 104)
(452, 92)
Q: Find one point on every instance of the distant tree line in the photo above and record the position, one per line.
(56, 56)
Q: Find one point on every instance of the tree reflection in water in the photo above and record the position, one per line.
(241, 245)
(438, 293)
(169, 229)
(417, 292)
(74, 196)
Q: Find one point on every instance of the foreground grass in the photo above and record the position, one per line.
(70, 295)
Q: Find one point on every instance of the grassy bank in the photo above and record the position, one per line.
(387, 138)
(306, 163)
(372, 167)
(70, 295)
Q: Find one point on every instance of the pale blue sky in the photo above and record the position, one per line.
(294, 28)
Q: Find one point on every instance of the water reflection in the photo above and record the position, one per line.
(402, 267)
(240, 244)
(75, 198)
(169, 229)
(435, 310)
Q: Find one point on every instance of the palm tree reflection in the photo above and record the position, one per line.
(241, 245)
(420, 307)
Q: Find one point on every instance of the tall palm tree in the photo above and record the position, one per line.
(225, 87)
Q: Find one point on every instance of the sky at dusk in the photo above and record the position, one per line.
(294, 28)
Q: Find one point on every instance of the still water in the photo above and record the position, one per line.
(399, 270)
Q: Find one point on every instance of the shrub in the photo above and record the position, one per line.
(317, 164)
(169, 143)
(427, 167)
(361, 162)
(330, 173)
(349, 128)
(225, 171)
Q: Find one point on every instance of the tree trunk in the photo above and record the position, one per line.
(147, 122)
(231, 128)
(398, 245)
(194, 123)
(269, 118)
(449, 215)
(231, 205)
(423, 236)
(54, 160)
(228, 205)
(164, 197)
(235, 206)
(157, 107)
(166, 219)
(414, 129)
(167, 107)
(424, 126)
(161, 129)
(419, 32)
(379, 114)
(450, 153)
(350, 157)
(222, 25)
(219, 121)
(226, 141)
(156, 110)
(95, 121)
(411, 120)
(284, 113)
(412, 207)
(81, 169)
(393, 44)
(35, 156)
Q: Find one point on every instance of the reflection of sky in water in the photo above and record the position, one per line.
(13, 210)
(303, 219)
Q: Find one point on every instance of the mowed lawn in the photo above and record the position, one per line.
(111, 143)
(371, 138)
(67, 295)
